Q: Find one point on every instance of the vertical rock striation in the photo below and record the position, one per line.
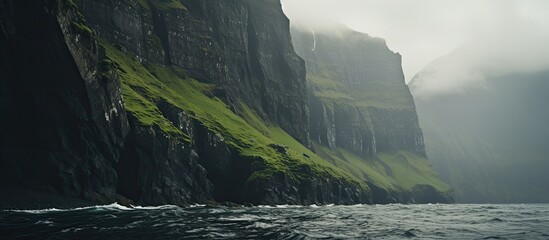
(182, 101)
(362, 114)
(358, 97)
(243, 47)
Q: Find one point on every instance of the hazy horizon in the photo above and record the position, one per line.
(493, 35)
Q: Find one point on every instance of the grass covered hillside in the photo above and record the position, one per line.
(145, 86)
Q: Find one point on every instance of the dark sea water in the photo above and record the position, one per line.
(454, 221)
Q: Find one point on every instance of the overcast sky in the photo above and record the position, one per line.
(512, 33)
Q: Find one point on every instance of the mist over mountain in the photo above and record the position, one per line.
(481, 101)
(156, 102)
(506, 34)
(274, 119)
(488, 139)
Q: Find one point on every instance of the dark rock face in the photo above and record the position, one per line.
(63, 123)
(244, 47)
(419, 194)
(226, 169)
(65, 128)
(359, 102)
(359, 66)
(365, 132)
(397, 129)
(87, 146)
(230, 173)
(281, 188)
(341, 125)
(157, 169)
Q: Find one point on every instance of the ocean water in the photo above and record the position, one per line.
(395, 221)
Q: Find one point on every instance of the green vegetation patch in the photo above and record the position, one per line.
(298, 154)
(82, 28)
(79, 23)
(145, 85)
(376, 94)
(398, 171)
(391, 171)
(410, 170)
(70, 4)
(141, 92)
(162, 4)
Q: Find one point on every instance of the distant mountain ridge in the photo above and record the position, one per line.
(490, 141)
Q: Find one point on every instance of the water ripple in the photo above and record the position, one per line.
(396, 221)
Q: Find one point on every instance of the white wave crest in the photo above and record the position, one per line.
(155, 207)
(112, 206)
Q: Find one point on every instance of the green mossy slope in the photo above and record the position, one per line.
(145, 85)
(375, 94)
(391, 171)
(395, 171)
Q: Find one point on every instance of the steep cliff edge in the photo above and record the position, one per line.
(229, 69)
(242, 47)
(160, 102)
(66, 130)
(63, 123)
(363, 117)
(176, 102)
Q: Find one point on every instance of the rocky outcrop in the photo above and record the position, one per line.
(348, 74)
(340, 125)
(359, 103)
(74, 137)
(316, 190)
(242, 46)
(419, 194)
(157, 169)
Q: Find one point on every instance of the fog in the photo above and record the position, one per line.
(483, 36)
(479, 73)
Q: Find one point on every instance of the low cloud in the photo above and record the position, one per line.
(483, 37)
(512, 39)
